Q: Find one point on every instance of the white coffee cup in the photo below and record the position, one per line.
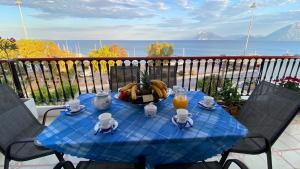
(208, 101)
(106, 120)
(182, 115)
(74, 105)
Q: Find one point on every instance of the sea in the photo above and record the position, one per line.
(138, 48)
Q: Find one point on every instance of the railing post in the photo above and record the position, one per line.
(16, 79)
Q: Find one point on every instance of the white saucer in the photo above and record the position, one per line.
(202, 104)
(72, 112)
(187, 125)
(113, 127)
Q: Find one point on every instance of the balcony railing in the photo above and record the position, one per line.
(55, 80)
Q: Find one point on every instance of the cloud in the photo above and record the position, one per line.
(117, 9)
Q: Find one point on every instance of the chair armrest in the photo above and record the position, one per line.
(237, 162)
(64, 165)
(27, 140)
(46, 113)
(256, 135)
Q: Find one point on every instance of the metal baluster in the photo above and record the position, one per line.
(296, 74)
(53, 80)
(183, 73)
(286, 67)
(267, 69)
(154, 69)
(69, 80)
(15, 79)
(4, 74)
(76, 76)
(93, 79)
(293, 66)
(205, 67)
(219, 71)
(238, 80)
(30, 85)
(176, 68)
(279, 70)
(274, 66)
(191, 68)
(198, 67)
(61, 81)
(251, 79)
(161, 69)
(146, 65)
(131, 71)
(233, 69)
(211, 76)
(21, 76)
(124, 74)
(139, 70)
(100, 73)
(245, 78)
(116, 71)
(37, 81)
(169, 64)
(45, 80)
(109, 78)
(225, 77)
(84, 77)
(260, 71)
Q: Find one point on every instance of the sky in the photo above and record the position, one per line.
(143, 19)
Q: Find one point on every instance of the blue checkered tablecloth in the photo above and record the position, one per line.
(158, 139)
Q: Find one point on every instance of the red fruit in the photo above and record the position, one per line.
(123, 96)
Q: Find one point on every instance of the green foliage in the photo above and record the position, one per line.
(8, 48)
(145, 80)
(229, 94)
(224, 92)
(160, 49)
(38, 99)
(211, 82)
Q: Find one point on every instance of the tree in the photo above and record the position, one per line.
(40, 48)
(107, 51)
(8, 48)
(160, 49)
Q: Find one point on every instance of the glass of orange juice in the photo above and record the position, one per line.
(180, 100)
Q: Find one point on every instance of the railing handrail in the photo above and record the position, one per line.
(54, 58)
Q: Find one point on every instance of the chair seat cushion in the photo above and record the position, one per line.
(98, 165)
(28, 151)
(206, 165)
(250, 146)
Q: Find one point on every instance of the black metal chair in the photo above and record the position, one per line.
(266, 114)
(18, 128)
(121, 75)
(98, 165)
(203, 165)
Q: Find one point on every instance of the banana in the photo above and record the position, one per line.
(128, 91)
(128, 86)
(160, 84)
(158, 91)
(133, 92)
(164, 92)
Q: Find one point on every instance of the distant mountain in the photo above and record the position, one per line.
(212, 36)
(207, 36)
(287, 33)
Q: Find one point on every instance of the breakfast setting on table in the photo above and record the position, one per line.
(164, 125)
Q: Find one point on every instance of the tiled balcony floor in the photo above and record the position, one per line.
(286, 154)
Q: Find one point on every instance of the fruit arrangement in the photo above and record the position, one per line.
(148, 91)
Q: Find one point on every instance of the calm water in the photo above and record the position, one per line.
(190, 47)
